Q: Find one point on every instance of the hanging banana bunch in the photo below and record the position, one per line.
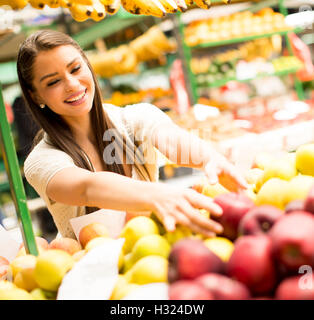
(82, 10)
(111, 6)
(14, 4)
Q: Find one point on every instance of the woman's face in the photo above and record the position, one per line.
(63, 81)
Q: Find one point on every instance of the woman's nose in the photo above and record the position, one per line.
(72, 83)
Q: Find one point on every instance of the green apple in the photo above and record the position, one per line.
(305, 159)
(136, 228)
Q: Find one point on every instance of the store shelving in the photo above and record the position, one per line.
(222, 82)
(243, 39)
(189, 50)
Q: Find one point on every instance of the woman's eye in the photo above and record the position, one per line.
(76, 69)
(52, 83)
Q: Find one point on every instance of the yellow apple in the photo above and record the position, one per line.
(179, 233)
(67, 244)
(9, 291)
(22, 262)
(25, 279)
(122, 288)
(280, 168)
(273, 192)
(136, 228)
(305, 159)
(51, 267)
(221, 246)
(299, 188)
(213, 190)
(38, 294)
(148, 270)
(91, 231)
(152, 244)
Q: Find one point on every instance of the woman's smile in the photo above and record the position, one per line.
(77, 98)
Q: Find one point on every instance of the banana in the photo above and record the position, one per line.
(37, 4)
(14, 4)
(78, 12)
(226, 1)
(204, 4)
(111, 6)
(65, 3)
(189, 2)
(146, 7)
(83, 2)
(53, 3)
(169, 5)
(98, 11)
(181, 5)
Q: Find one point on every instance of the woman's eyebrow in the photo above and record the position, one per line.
(55, 73)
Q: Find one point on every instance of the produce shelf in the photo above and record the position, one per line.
(222, 82)
(243, 39)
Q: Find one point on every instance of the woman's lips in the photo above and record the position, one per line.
(79, 101)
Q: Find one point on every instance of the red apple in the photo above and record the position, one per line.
(234, 207)
(251, 263)
(190, 258)
(224, 288)
(188, 290)
(292, 240)
(92, 231)
(309, 201)
(4, 266)
(67, 244)
(259, 220)
(294, 205)
(292, 289)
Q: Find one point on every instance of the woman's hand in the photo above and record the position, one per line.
(219, 169)
(174, 206)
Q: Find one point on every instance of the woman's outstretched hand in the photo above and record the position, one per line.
(219, 169)
(174, 206)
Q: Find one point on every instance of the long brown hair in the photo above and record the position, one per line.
(52, 124)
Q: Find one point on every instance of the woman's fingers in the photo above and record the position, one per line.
(201, 201)
(199, 220)
(197, 229)
(211, 172)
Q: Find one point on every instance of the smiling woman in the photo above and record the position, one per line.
(90, 155)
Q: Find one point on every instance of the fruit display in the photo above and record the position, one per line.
(268, 239)
(96, 10)
(262, 48)
(237, 25)
(150, 95)
(153, 44)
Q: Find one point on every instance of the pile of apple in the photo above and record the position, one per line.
(29, 277)
(272, 228)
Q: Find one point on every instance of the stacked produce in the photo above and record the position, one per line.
(82, 10)
(264, 252)
(153, 44)
(262, 48)
(284, 63)
(237, 25)
(123, 99)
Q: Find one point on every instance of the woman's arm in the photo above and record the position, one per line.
(187, 149)
(80, 187)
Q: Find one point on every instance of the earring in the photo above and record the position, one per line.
(42, 105)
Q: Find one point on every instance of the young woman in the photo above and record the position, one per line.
(90, 155)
